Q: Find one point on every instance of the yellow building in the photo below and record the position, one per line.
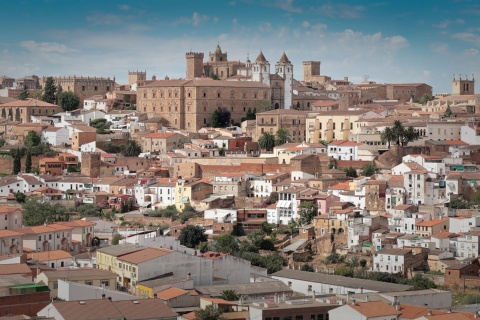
(191, 190)
(107, 257)
(332, 125)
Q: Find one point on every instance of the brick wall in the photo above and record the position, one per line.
(28, 304)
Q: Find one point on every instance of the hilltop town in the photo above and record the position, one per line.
(238, 192)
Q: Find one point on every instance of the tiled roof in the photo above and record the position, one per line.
(43, 229)
(77, 223)
(49, 255)
(160, 135)
(28, 103)
(144, 309)
(9, 233)
(17, 268)
(171, 293)
(431, 223)
(375, 309)
(145, 255)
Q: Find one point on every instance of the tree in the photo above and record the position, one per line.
(308, 210)
(226, 243)
(132, 149)
(282, 136)
(36, 212)
(23, 94)
(17, 162)
(50, 91)
(28, 161)
(101, 125)
(210, 312)
(387, 136)
(425, 98)
(230, 295)
(116, 239)
(448, 112)
(398, 131)
(89, 210)
(251, 114)
(307, 267)
(409, 135)
(368, 170)
(191, 236)
(20, 197)
(351, 172)
(267, 228)
(221, 118)
(68, 100)
(32, 139)
(267, 141)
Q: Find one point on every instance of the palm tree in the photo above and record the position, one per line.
(387, 135)
(398, 131)
(267, 141)
(410, 135)
(282, 137)
(230, 295)
(132, 149)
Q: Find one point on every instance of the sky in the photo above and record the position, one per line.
(394, 41)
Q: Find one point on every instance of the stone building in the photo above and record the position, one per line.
(6, 82)
(91, 162)
(136, 76)
(405, 91)
(218, 65)
(291, 120)
(311, 72)
(463, 86)
(32, 82)
(21, 110)
(189, 104)
(331, 125)
(84, 87)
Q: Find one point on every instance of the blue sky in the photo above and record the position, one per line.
(388, 41)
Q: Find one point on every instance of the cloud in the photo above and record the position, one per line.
(124, 7)
(340, 10)
(45, 47)
(105, 19)
(471, 52)
(265, 27)
(195, 20)
(287, 5)
(305, 24)
(438, 47)
(468, 37)
(397, 42)
(446, 23)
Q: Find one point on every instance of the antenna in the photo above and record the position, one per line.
(365, 78)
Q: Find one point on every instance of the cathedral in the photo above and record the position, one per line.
(189, 103)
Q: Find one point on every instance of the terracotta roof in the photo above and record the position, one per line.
(403, 207)
(28, 103)
(394, 251)
(160, 135)
(218, 301)
(87, 309)
(145, 255)
(49, 255)
(375, 309)
(395, 181)
(9, 209)
(431, 223)
(444, 235)
(213, 255)
(78, 223)
(43, 229)
(171, 293)
(143, 309)
(17, 268)
(9, 233)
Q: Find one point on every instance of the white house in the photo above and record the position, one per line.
(468, 245)
(390, 260)
(56, 136)
(372, 310)
(463, 224)
(221, 215)
(343, 150)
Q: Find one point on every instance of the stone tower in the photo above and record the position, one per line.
(217, 55)
(284, 69)
(91, 164)
(194, 65)
(463, 86)
(136, 76)
(261, 70)
(311, 69)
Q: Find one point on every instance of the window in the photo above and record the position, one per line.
(289, 284)
(89, 283)
(55, 285)
(105, 283)
(309, 287)
(83, 88)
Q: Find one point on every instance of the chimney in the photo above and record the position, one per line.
(366, 298)
(313, 294)
(429, 312)
(154, 296)
(103, 296)
(110, 298)
(189, 276)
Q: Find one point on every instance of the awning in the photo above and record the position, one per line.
(185, 199)
(145, 204)
(284, 204)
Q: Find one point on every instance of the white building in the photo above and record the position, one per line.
(56, 136)
(220, 215)
(463, 224)
(343, 149)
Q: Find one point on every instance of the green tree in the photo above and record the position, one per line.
(448, 112)
(28, 161)
(351, 172)
(387, 136)
(101, 125)
(410, 135)
(308, 210)
(226, 243)
(221, 118)
(267, 141)
(116, 239)
(368, 170)
(23, 94)
(132, 149)
(37, 212)
(214, 76)
(307, 267)
(89, 210)
(20, 197)
(230, 295)
(282, 136)
(267, 228)
(50, 91)
(398, 131)
(191, 236)
(210, 312)
(17, 162)
(32, 139)
(68, 100)
(425, 98)
(2, 142)
(251, 114)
